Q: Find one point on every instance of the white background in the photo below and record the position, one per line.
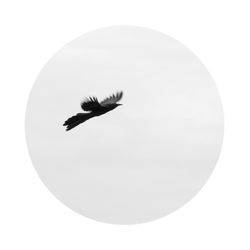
(216, 31)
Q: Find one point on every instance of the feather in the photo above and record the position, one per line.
(112, 99)
(90, 104)
(76, 120)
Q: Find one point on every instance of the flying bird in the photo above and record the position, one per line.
(93, 108)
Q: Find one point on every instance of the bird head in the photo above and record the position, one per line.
(114, 105)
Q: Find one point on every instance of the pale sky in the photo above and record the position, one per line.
(142, 160)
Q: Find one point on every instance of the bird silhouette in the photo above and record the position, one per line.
(93, 108)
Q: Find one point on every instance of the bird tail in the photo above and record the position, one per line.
(76, 120)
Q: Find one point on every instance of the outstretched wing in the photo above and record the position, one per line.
(90, 104)
(112, 99)
(76, 120)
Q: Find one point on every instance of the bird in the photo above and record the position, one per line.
(94, 108)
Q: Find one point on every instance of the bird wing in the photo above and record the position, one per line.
(76, 120)
(90, 104)
(112, 99)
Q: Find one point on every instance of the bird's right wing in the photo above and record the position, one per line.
(90, 104)
(112, 99)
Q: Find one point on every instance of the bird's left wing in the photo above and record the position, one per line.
(90, 104)
(112, 99)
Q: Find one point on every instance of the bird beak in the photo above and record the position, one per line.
(119, 104)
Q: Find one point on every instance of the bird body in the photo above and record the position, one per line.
(94, 108)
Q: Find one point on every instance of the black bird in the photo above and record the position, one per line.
(94, 108)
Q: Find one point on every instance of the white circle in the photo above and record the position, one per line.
(142, 160)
